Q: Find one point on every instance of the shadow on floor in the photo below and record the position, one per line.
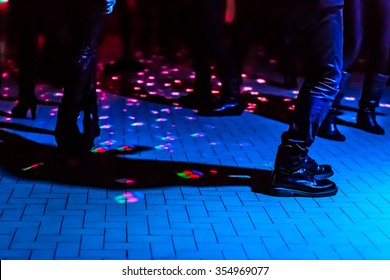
(40, 102)
(271, 106)
(114, 169)
(25, 128)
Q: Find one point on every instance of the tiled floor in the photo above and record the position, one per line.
(166, 184)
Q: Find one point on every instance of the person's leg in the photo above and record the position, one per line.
(201, 97)
(244, 26)
(295, 172)
(86, 21)
(146, 12)
(214, 27)
(89, 104)
(27, 43)
(377, 73)
(127, 62)
(353, 34)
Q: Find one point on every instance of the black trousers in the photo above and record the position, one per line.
(26, 23)
(209, 45)
(319, 33)
(368, 22)
(248, 13)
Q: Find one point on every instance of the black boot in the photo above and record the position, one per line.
(328, 128)
(366, 120)
(294, 175)
(373, 89)
(24, 105)
(295, 172)
(91, 128)
(67, 133)
(201, 99)
(231, 103)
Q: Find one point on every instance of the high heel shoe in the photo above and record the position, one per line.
(67, 133)
(21, 109)
(91, 128)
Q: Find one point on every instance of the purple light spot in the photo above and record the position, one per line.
(198, 134)
(137, 124)
(161, 120)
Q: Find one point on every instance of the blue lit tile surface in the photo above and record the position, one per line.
(163, 183)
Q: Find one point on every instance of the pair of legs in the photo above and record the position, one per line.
(319, 32)
(209, 44)
(26, 21)
(127, 63)
(368, 21)
(83, 20)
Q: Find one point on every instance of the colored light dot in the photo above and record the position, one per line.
(261, 81)
(137, 124)
(99, 150)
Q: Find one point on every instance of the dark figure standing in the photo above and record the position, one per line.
(368, 19)
(317, 24)
(26, 21)
(84, 19)
(209, 44)
(127, 63)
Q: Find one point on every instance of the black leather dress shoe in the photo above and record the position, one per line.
(300, 183)
(319, 171)
(191, 101)
(123, 66)
(229, 107)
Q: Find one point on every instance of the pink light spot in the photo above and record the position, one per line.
(262, 99)
(261, 81)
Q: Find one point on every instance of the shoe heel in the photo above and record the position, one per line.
(33, 109)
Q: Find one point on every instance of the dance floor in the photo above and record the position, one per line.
(164, 183)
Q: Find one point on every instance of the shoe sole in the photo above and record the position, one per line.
(284, 192)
